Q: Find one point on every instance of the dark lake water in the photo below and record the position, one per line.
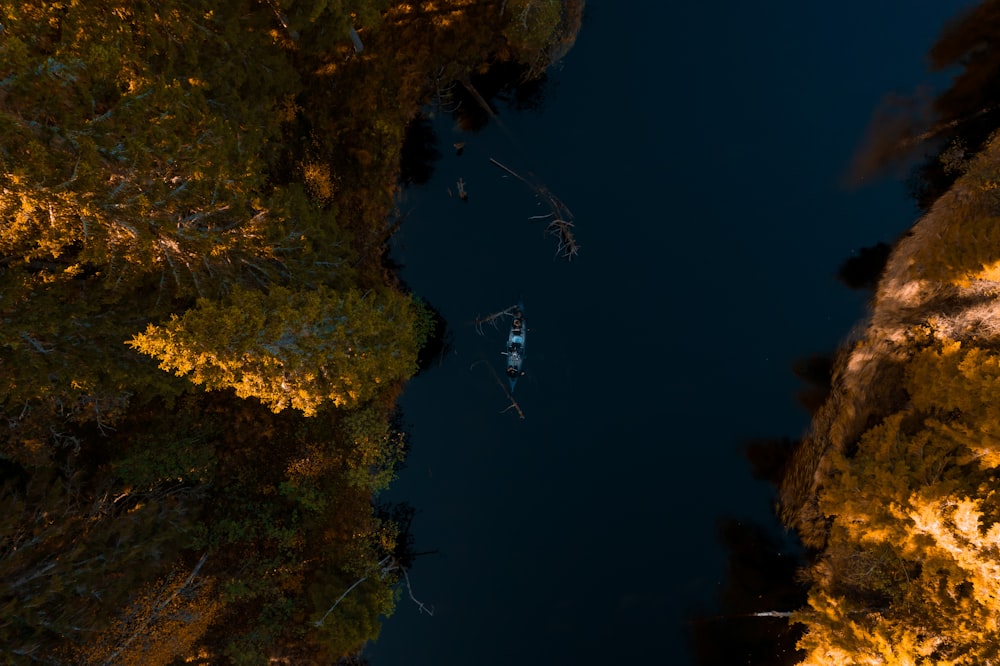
(702, 149)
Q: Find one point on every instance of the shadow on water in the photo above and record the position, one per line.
(816, 373)
(931, 136)
(769, 457)
(440, 340)
(763, 583)
(419, 152)
(763, 563)
(863, 270)
(504, 82)
(761, 577)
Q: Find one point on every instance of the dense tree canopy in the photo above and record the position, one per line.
(200, 347)
(291, 349)
(912, 562)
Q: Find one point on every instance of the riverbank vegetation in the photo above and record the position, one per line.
(200, 345)
(894, 490)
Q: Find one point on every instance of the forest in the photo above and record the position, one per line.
(201, 340)
(894, 491)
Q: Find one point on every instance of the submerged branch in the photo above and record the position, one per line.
(511, 172)
(513, 403)
(492, 318)
(562, 218)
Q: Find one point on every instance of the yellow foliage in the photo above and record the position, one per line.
(911, 571)
(163, 624)
(836, 637)
(290, 349)
(319, 181)
(990, 271)
(967, 246)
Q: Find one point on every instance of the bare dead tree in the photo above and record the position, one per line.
(521, 178)
(283, 20)
(560, 216)
(561, 225)
(563, 230)
(513, 403)
(39, 347)
(382, 566)
(385, 566)
(492, 319)
(444, 94)
(421, 606)
(483, 104)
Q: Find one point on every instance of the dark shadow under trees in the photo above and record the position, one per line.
(505, 82)
(761, 579)
(862, 270)
(419, 152)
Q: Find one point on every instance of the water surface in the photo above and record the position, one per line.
(702, 149)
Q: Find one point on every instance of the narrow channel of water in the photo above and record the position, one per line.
(701, 149)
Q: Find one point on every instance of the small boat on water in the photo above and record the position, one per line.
(516, 346)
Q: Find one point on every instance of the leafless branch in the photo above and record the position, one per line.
(444, 96)
(510, 171)
(39, 347)
(420, 605)
(563, 230)
(385, 566)
(491, 319)
(319, 622)
(382, 562)
(513, 403)
(283, 20)
(561, 216)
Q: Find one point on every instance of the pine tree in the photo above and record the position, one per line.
(287, 348)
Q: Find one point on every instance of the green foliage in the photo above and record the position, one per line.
(540, 32)
(152, 156)
(425, 322)
(68, 560)
(533, 24)
(355, 621)
(218, 176)
(375, 449)
(160, 457)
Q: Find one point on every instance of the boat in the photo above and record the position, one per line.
(516, 346)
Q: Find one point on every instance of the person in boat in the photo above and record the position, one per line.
(515, 347)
